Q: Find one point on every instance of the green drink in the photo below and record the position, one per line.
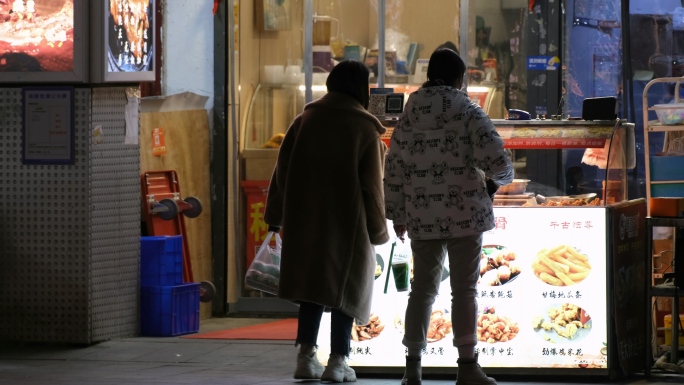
(400, 271)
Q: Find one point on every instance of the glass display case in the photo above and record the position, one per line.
(271, 110)
(594, 156)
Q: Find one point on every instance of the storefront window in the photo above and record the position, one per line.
(656, 44)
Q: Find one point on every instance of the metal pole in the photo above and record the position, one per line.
(308, 50)
(381, 44)
(235, 133)
(463, 37)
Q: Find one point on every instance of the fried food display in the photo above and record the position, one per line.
(132, 16)
(493, 328)
(497, 266)
(439, 327)
(368, 331)
(566, 320)
(572, 202)
(562, 265)
(549, 133)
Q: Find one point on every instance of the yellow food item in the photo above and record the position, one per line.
(548, 133)
(524, 133)
(564, 320)
(561, 266)
(536, 321)
(573, 133)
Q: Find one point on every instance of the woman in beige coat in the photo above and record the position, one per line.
(327, 194)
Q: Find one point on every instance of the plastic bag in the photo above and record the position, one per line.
(678, 19)
(264, 272)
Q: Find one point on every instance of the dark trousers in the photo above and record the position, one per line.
(310, 320)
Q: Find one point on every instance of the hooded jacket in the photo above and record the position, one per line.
(441, 150)
(326, 192)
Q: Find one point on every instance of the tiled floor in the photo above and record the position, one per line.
(176, 361)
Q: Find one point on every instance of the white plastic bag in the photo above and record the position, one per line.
(678, 19)
(264, 272)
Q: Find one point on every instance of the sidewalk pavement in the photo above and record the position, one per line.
(180, 361)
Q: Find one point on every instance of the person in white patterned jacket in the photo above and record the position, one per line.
(444, 164)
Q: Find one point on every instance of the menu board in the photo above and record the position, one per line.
(541, 298)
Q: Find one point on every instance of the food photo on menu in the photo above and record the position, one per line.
(562, 265)
(36, 35)
(369, 331)
(493, 327)
(498, 265)
(562, 323)
(130, 27)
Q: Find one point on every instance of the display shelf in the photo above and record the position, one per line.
(651, 126)
(671, 289)
(554, 134)
(607, 145)
(656, 126)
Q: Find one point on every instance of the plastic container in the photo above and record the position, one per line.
(169, 310)
(161, 260)
(668, 332)
(667, 207)
(669, 190)
(667, 167)
(670, 114)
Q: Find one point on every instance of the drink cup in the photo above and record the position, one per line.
(400, 271)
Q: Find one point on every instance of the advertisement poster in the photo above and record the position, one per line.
(130, 36)
(542, 306)
(629, 277)
(37, 36)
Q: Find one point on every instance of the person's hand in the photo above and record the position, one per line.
(400, 230)
(274, 229)
(492, 188)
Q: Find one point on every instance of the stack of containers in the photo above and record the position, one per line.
(168, 307)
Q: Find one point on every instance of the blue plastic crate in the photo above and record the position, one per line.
(667, 167)
(169, 310)
(669, 190)
(161, 261)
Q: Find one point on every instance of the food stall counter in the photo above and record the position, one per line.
(561, 287)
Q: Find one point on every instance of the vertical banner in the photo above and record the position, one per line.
(628, 277)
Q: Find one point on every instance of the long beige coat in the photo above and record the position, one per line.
(327, 194)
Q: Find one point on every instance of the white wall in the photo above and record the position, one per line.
(188, 48)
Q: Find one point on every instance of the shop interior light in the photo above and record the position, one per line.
(314, 88)
(479, 89)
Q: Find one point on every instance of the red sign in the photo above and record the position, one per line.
(551, 143)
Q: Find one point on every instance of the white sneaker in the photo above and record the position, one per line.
(308, 367)
(338, 370)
